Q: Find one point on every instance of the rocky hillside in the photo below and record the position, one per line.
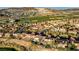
(27, 11)
(72, 9)
(19, 12)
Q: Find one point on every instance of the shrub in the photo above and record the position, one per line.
(47, 46)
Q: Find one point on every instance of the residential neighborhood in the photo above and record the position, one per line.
(39, 29)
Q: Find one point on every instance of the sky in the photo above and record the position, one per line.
(41, 3)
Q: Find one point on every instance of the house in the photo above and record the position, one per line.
(36, 40)
(7, 35)
(1, 34)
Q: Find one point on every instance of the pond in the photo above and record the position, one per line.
(7, 49)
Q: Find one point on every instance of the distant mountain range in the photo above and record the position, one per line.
(31, 11)
(28, 11)
(57, 8)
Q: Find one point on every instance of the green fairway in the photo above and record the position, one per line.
(7, 49)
